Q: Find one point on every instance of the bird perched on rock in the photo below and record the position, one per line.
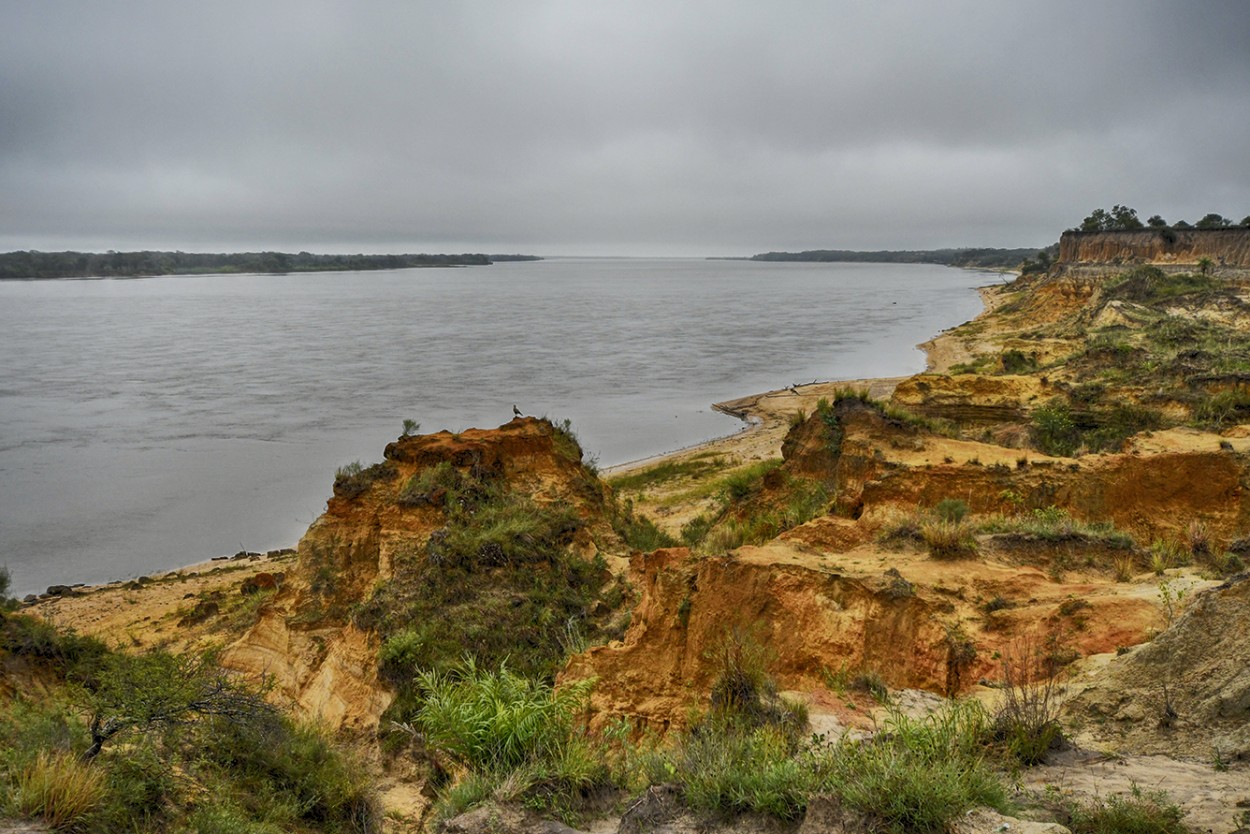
(516, 412)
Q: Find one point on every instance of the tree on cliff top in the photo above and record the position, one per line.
(1213, 221)
(1119, 218)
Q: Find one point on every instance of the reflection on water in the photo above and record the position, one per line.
(151, 423)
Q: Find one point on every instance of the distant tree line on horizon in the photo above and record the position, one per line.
(984, 258)
(26, 265)
(1123, 218)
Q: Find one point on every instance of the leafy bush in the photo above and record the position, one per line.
(1054, 431)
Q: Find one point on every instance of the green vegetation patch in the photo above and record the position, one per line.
(161, 742)
(693, 468)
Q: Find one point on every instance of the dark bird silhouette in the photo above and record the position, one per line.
(516, 411)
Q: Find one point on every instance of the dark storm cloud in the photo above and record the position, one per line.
(643, 127)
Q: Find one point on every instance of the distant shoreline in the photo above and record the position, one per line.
(44, 266)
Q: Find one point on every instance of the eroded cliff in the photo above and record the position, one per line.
(1164, 247)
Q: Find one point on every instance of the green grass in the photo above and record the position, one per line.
(1054, 524)
(510, 732)
(1138, 812)
(693, 468)
(917, 775)
(757, 503)
(638, 531)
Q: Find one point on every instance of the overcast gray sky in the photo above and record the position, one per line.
(582, 127)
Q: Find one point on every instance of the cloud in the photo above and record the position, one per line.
(698, 127)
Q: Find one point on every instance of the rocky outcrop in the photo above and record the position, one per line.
(304, 639)
(1227, 248)
(812, 620)
(1187, 691)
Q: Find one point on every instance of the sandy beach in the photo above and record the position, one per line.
(767, 415)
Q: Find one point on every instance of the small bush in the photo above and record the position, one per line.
(951, 510)
(1017, 362)
(59, 788)
(743, 694)
(354, 479)
(1026, 723)
(1054, 430)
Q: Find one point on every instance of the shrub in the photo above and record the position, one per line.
(1054, 431)
(951, 510)
(743, 694)
(293, 770)
(354, 478)
(60, 788)
(1017, 362)
(1026, 723)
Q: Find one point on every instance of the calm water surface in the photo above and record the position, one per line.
(146, 424)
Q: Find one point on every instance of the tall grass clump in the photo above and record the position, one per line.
(512, 732)
(1138, 812)
(949, 539)
(916, 775)
(638, 531)
(59, 788)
